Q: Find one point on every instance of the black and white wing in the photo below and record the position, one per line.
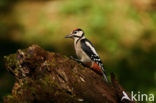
(89, 49)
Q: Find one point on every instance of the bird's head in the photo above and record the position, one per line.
(76, 33)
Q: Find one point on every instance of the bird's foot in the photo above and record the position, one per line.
(77, 60)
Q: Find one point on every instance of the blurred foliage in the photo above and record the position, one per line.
(123, 32)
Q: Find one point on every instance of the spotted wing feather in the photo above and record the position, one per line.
(89, 49)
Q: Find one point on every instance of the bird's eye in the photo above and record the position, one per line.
(74, 32)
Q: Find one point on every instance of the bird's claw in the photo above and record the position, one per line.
(77, 60)
(71, 57)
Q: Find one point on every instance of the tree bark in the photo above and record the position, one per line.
(47, 77)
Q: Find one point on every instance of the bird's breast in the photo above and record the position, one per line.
(80, 53)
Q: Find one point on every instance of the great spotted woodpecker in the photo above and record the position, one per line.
(86, 52)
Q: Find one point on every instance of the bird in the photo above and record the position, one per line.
(86, 52)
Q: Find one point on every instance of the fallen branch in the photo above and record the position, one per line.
(47, 77)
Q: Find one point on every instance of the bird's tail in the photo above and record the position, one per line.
(105, 77)
(100, 69)
(104, 74)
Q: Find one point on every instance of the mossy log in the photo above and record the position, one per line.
(47, 77)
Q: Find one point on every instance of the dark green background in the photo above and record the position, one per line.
(123, 32)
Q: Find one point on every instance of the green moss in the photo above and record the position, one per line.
(10, 60)
(11, 63)
(10, 99)
(39, 85)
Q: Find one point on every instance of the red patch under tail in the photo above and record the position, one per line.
(97, 68)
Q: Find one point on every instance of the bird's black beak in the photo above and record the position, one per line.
(69, 36)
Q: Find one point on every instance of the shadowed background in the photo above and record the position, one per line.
(123, 32)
